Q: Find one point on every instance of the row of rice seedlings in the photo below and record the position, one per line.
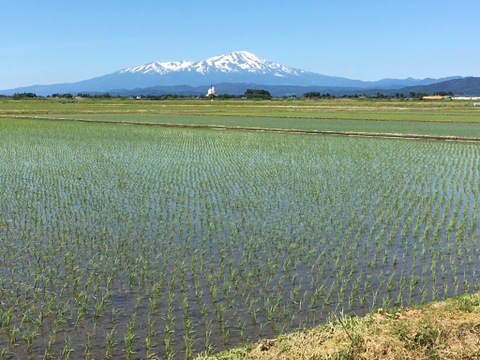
(216, 239)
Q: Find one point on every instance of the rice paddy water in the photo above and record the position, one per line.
(122, 241)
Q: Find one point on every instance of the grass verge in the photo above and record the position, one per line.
(449, 329)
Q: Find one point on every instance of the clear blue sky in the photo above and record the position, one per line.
(54, 41)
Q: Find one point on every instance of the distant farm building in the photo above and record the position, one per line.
(211, 92)
(433, 97)
(466, 98)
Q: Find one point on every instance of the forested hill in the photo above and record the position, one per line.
(464, 86)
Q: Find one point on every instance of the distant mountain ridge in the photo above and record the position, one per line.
(465, 86)
(240, 67)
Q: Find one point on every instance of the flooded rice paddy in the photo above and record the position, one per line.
(125, 241)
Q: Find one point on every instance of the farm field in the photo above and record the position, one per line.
(353, 109)
(139, 241)
(360, 116)
(468, 131)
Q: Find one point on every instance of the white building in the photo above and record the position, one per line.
(466, 98)
(211, 92)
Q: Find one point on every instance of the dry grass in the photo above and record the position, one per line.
(446, 330)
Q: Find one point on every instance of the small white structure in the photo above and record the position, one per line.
(211, 92)
(466, 98)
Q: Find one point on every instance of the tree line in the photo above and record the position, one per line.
(250, 94)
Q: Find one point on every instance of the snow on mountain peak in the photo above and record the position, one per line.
(234, 62)
(158, 67)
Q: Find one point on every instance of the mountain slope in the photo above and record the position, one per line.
(465, 86)
(240, 66)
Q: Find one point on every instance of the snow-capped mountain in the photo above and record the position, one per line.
(235, 62)
(240, 67)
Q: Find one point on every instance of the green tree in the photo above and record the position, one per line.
(257, 94)
(312, 94)
(18, 96)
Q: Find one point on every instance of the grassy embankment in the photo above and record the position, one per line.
(449, 329)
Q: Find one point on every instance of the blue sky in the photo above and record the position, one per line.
(53, 41)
